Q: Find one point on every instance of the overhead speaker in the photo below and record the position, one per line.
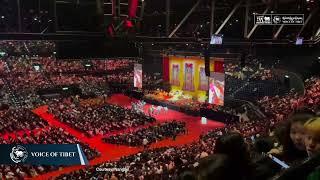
(207, 62)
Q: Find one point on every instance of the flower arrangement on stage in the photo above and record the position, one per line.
(203, 98)
(177, 98)
(178, 95)
(159, 95)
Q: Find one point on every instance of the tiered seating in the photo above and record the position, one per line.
(13, 120)
(169, 162)
(4, 94)
(54, 66)
(98, 120)
(66, 79)
(3, 67)
(149, 135)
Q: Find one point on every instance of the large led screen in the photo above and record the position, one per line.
(137, 76)
(216, 88)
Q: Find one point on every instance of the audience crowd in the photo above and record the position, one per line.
(169, 162)
(146, 136)
(113, 64)
(97, 120)
(23, 72)
(27, 47)
(13, 120)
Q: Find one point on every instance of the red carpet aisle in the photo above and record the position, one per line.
(194, 126)
(114, 152)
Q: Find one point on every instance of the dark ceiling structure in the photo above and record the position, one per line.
(232, 18)
(161, 21)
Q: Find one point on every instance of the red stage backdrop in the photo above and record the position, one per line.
(165, 69)
(188, 77)
(219, 66)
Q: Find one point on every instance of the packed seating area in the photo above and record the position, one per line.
(253, 81)
(27, 47)
(5, 99)
(169, 162)
(149, 135)
(24, 72)
(278, 108)
(12, 120)
(97, 120)
(113, 64)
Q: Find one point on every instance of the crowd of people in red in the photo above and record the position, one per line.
(147, 136)
(97, 120)
(25, 74)
(20, 75)
(13, 120)
(169, 162)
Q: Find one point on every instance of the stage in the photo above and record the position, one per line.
(184, 104)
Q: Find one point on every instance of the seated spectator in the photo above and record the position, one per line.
(235, 148)
(293, 148)
(216, 166)
(312, 138)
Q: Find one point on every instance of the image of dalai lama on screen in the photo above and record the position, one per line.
(138, 79)
(216, 89)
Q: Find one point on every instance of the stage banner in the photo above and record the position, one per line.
(216, 88)
(175, 81)
(138, 76)
(42, 154)
(133, 6)
(188, 77)
(203, 80)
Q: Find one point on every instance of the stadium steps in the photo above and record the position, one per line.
(97, 91)
(14, 97)
(239, 89)
(47, 77)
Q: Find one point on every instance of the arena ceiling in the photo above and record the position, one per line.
(159, 19)
(198, 23)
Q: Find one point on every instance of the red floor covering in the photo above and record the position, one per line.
(114, 152)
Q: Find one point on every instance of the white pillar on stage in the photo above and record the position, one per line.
(203, 120)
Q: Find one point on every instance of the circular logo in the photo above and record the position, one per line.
(276, 19)
(18, 154)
